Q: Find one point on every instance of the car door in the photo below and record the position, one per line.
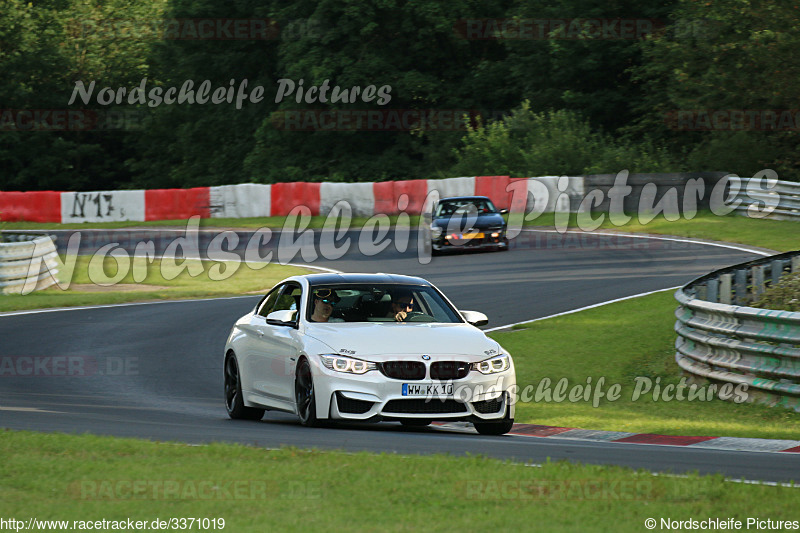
(249, 346)
(277, 346)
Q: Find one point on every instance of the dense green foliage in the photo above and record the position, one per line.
(726, 55)
(784, 295)
(536, 144)
(44, 48)
(554, 103)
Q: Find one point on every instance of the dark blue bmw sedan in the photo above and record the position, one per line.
(467, 222)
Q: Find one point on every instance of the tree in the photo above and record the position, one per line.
(582, 66)
(190, 145)
(412, 48)
(551, 143)
(725, 55)
(45, 47)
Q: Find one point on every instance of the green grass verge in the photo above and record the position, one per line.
(67, 477)
(253, 223)
(161, 280)
(622, 342)
(779, 235)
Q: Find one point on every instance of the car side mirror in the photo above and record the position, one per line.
(286, 317)
(504, 211)
(475, 318)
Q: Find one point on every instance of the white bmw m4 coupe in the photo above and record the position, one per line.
(369, 348)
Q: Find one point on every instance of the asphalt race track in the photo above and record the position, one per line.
(155, 370)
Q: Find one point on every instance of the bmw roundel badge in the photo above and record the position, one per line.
(426, 357)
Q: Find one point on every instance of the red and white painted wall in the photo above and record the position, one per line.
(260, 200)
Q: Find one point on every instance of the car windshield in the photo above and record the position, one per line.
(373, 303)
(465, 206)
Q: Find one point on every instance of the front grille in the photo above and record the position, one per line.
(409, 370)
(474, 241)
(420, 406)
(349, 405)
(445, 370)
(488, 406)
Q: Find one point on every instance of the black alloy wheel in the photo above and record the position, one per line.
(304, 394)
(234, 402)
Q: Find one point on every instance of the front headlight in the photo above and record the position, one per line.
(493, 365)
(496, 232)
(349, 365)
(436, 232)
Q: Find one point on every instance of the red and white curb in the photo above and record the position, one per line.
(714, 443)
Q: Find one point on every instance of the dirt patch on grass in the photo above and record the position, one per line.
(119, 287)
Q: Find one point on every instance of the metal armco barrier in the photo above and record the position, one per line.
(27, 262)
(784, 198)
(722, 340)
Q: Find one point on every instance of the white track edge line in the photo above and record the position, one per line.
(131, 304)
(583, 308)
(644, 236)
(739, 247)
(636, 236)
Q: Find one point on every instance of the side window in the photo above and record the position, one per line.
(431, 305)
(269, 302)
(289, 298)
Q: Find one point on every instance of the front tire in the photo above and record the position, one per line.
(304, 394)
(416, 423)
(234, 402)
(495, 428)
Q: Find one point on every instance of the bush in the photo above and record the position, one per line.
(741, 152)
(785, 295)
(551, 143)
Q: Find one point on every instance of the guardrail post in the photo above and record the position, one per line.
(777, 272)
(741, 286)
(758, 280)
(713, 290)
(701, 292)
(725, 289)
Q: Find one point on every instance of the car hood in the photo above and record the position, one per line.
(383, 341)
(488, 220)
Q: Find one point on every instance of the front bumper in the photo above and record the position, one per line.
(445, 244)
(374, 397)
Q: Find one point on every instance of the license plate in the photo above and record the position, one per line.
(465, 236)
(413, 389)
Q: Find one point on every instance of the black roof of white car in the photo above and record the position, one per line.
(464, 198)
(334, 278)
